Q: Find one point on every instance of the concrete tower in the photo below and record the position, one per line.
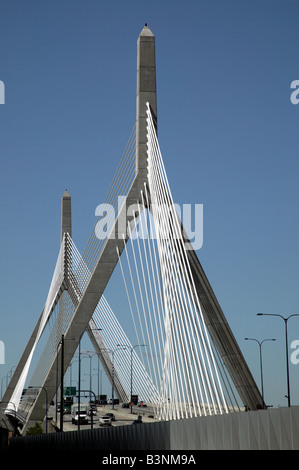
(146, 92)
(66, 214)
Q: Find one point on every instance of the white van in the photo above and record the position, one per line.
(83, 414)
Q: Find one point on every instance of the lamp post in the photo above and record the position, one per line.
(46, 392)
(261, 362)
(90, 354)
(79, 383)
(6, 377)
(132, 349)
(112, 354)
(61, 342)
(285, 319)
(90, 392)
(9, 374)
(3, 378)
(71, 371)
(61, 384)
(99, 372)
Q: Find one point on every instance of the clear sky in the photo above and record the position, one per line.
(228, 134)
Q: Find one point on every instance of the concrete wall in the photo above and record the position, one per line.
(274, 429)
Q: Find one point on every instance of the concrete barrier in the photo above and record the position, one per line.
(273, 429)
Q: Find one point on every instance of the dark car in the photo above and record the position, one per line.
(143, 404)
(138, 420)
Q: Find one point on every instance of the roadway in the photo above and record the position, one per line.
(123, 417)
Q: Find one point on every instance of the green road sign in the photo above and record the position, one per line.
(70, 391)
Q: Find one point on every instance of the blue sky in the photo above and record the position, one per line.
(228, 134)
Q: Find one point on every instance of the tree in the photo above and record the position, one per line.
(36, 429)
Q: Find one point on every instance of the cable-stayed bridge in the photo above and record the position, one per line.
(193, 365)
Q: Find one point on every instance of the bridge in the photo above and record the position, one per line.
(194, 368)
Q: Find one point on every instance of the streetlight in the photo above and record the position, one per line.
(132, 349)
(99, 372)
(61, 378)
(71, 371)
(79, 379)
(90, 354)
(261, 363)
(90, 392)
(285, 319)
(7, 377)
(61, 384)
(112, 354)
(46, 392)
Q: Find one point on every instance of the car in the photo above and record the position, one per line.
(125, 405)
(102, 402)
(111, 416)
(92, 410)
(138, 420)
(115, 401)
(105, 421)
(143, 404)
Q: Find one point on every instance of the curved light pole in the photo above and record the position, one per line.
(7, 377)
(285, 319)
(261, 362)
(132, 349)
(46, 392)
(99, 372)
(61, 344)
(90, 354)
(90, 392)
(112, 354)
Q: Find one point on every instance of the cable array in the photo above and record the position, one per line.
(120, 186)
(74, 277)
(128, 366)
(164, 305)
(179, 370)
(78, 270)
(50, 305)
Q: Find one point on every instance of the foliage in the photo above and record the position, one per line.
(36, 429)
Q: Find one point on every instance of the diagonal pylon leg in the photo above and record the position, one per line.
(15, 388)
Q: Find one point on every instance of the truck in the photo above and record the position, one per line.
(83, 413)
(67, 405)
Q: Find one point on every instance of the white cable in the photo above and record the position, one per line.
(164, 221)
(198, 303)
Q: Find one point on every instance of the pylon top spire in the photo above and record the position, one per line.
(146, 31)
(66, 214)
(146, 92)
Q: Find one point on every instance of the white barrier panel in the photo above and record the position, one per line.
(273, 429)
